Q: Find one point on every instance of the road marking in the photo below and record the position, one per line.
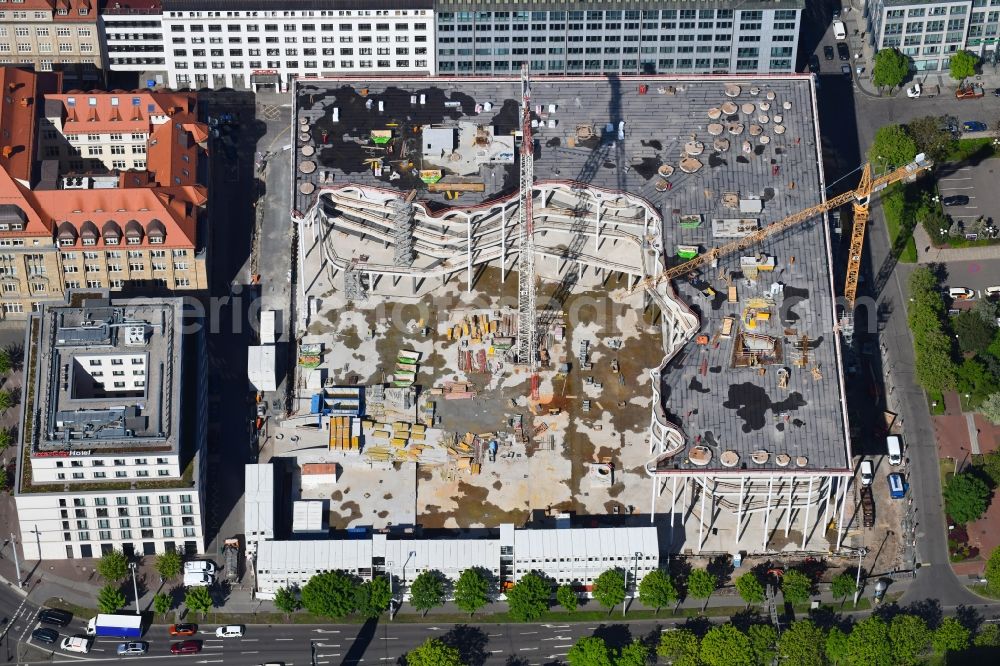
(249, 652)
(326, 631)
(284, 639)
(495, 651)
(494, 635)
(327, 644)
(556, 626)
(250, 640)
(218, 647)
(562, 646)
(390, 638)
(208, 661)
(528, 633)
(527, 649)
(334, 654)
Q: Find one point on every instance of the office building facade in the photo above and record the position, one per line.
(53, 34)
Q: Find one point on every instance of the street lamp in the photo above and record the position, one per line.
(857, 582)
(402, 588)
(135, 586)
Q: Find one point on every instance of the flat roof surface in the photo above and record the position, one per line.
(717, 405)
(135, 338)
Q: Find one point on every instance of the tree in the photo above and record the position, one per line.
(6, 363)
(933, 365)
(198, 600)
(950, 636)
(5, 438)
(433, 652)
(113, 566)
(162, 603)
(110, 599)
(567, 597)
(988, 637)
(609, 588)
(635, 653)
(974, 333)
(868, 644)
(891, 68)
(427, 591)
(657, 589)
(802, 644)
(472, 590)
(7, 400)
(963, 65)
(372, 597)
(931, 136)
(966, 497)
(763, 642)
(843, 586)
(892, 147)
(909, 637)
(796, 586)
(990, 408)
(331, 594)
(975, 380)
(725, 645)
(169, 564)
(589, 651)
(286, 599)
(987, 309)
(529, 597)
(836, 646)
(992, 572)
(701, 584)
(750, 589)
(680, 647)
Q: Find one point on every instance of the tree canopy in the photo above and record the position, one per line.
(472, 590)
(427, 591)
(162, 603)
(966, 497)
(169, 564)
(286, 599)
(950, 636)
(567, 597)
(331, 594)
(974, 332)
(680, 647)
(529, 598)
(843, 586)
(433, 652)
(802, 644)
(868, 644)
(198, 600)
(113, 566)
(931, 136)
(657, 590)
(750, 588)
(909, 636)
(892, 147)
(992, 572)
(701, 584)
(796, 586)
(609, 588)
(589, 651)
(963, 65)
(836, 646)
(891, 68)
(725, 645)
(110, 599)
(372, 597)
(763, 643)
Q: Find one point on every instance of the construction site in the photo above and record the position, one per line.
(606, 297)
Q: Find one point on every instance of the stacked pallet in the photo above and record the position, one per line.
(458, 391)
(340, 434)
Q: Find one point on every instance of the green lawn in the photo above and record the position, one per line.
(896, 225)
(935, 397)
(966, 149)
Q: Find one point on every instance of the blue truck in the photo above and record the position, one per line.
(117, 626)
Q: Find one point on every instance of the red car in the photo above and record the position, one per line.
(183, 629)
(186, 647)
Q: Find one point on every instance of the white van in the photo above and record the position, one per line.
(894, 445)
(839, 31)
(199, 566)
(197, 579)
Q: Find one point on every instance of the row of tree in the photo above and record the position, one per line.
(113, 567)
(892, 67)
(900, 639)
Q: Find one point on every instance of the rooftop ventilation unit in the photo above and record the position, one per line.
(135, 335)
(74, 183)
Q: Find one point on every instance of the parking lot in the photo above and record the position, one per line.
(978, 183)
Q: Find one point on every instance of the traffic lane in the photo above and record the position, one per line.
(976, 275)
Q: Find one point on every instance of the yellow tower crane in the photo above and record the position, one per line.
(860, 196)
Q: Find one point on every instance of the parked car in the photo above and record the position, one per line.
(969, 91)
(187, 629)
(132, 648)
(996, 92)
(197, 579)
(845, 70)
(79, 644)
(814, 63)
(55, 616)
(955, 200)
(897, 486)
(974, 126)
(913, 91)
(199, 566)
(961, 293)
(45, 635)
(186, 647)
(843, 52)
(828, 52)
(230, 631)
(839, 30)
(991, 292)
(867, 473)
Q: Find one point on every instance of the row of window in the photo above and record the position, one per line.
(238, 53)
(114, 254)
(133, 266)
(294, 64)
(293, 39)
(123, 500)
(609, 15)
(104, 523)
(717, 65)
(60, 11)
(118, 284)
(46, 47)
(139, 474)
(105, 535)
(63, 31)
(293, 27)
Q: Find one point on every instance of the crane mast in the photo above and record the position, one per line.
(527, 338)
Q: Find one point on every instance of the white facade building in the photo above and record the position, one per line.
(254, 43)
(115, 433)
(132, 32)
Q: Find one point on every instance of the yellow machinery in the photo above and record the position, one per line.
(860, 196)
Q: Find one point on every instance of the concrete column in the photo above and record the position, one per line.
(843, 504)
(673, 499)
(597, 228)
(701, 515)
(788, 512)
(767, 511)
(652, 500)
(739, 511)
(503, 243)
(826, 509)
(805, 521)
(468, 256)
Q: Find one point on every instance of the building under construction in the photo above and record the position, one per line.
(717, 397)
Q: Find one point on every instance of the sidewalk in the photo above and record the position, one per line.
(928, 254)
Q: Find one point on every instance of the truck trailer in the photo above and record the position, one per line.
(118, 626)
